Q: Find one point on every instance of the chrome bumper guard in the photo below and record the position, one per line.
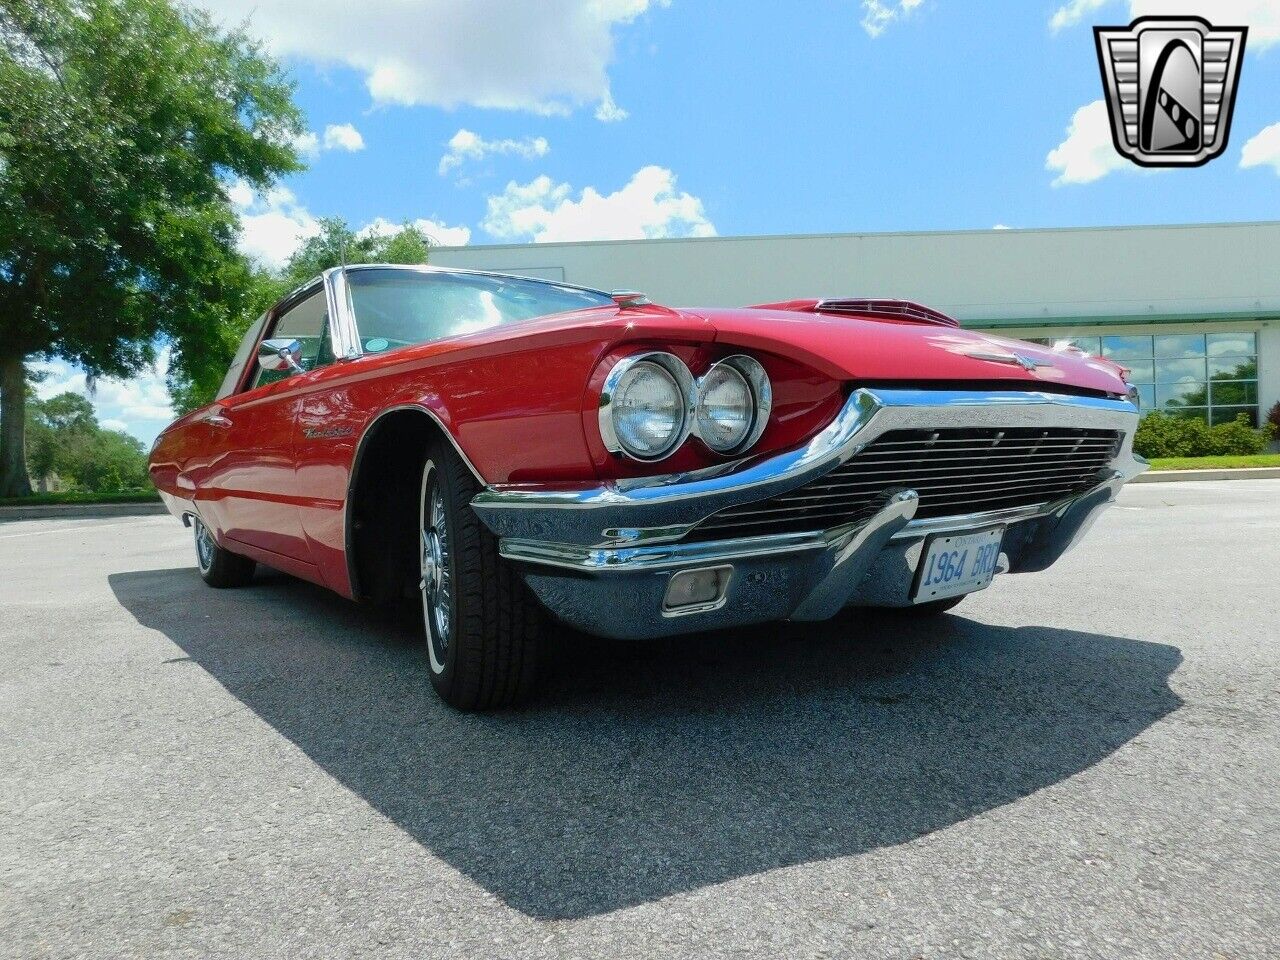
(603, 559)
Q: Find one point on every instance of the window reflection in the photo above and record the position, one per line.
(1210, 376)
(1180, 345)
(1127, 348)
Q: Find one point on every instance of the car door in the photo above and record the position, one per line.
(249, 484)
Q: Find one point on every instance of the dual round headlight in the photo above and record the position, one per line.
(651, 403)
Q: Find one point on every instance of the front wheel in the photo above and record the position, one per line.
(483, 629)
(219, 568)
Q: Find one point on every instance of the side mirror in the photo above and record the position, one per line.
(281, 354)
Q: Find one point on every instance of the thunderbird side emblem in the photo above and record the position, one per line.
(1171, 87)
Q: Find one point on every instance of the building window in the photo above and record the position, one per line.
(1211, 376)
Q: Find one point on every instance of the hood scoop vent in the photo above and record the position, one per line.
(906, 310)
(903, 311)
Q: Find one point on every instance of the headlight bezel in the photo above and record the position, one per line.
(691, 392)
(760, 392)
(685, 385)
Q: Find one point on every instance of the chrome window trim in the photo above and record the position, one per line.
(344, 336)
(345, 329)
(245, 357)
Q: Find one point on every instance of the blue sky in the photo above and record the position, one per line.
(583, 119)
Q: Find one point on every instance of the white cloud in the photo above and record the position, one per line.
(1000, 226)
(609, 112)
(436, 231)
(1088, 153)
(465, 145)
(647, 206)
(273, 226)
(1072, 13)
(1262, 17)
(307, 144)
(1263, 149)
(877, 15)
(139, 406)
(336, 137)
(548, 57)
(343, 137)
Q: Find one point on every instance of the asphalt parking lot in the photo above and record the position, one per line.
(1079, 763)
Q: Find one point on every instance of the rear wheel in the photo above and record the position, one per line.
(219, 568)
(483, 629)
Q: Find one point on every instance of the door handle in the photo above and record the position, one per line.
(215, 419)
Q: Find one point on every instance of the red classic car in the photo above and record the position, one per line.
(502, 446)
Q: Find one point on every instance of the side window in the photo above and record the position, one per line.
(308, 323)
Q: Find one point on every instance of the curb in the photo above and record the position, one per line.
(1183, 476)
(68, 510)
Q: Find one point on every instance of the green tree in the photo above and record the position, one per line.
(51, 424)
(121, 121)
(65, 438)
(337, 243)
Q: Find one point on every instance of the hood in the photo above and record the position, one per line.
(868, 349)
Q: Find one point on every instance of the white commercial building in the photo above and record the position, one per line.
(1193, 311)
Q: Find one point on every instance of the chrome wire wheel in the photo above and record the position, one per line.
(436, 568)
(204, 545)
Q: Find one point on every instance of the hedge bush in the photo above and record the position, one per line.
(1165, 435)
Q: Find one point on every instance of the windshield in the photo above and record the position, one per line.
(395, 308)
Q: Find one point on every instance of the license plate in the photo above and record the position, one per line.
(956, 563)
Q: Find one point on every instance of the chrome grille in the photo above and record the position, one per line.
(955, 471)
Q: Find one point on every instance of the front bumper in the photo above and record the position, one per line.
(602, 559)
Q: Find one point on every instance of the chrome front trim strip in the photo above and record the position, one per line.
(620, 592)
(664, 509)
(669, 556)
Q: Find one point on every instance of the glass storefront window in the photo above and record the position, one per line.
(1180, 371)
(1212, 376)
(1190, 345)
(1181, 394)
(1230, 344)
(1127, 348)
(1233, 368)
(1141, 371)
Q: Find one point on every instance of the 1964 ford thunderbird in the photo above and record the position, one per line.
(502, 447)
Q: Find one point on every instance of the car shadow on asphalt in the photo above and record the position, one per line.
(646, 770)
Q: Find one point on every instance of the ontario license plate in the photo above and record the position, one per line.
(956, 563)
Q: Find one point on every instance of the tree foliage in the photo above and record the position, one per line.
(1174, 435)
(121, 121)
(66, 440)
